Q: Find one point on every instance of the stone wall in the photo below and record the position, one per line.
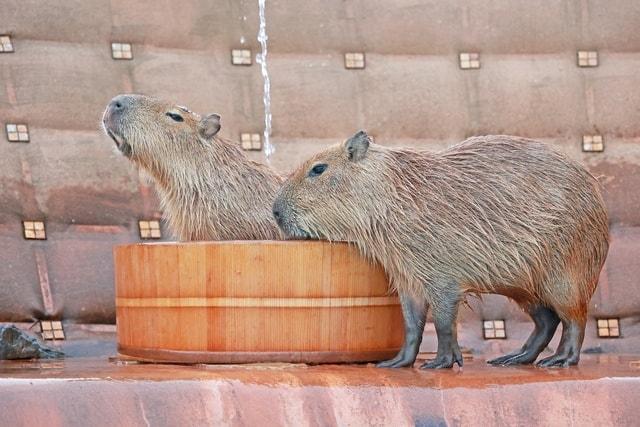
(412, 91)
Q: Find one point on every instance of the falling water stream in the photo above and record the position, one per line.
(261, 59)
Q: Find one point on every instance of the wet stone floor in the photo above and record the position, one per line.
(475, 373)
(102, 390)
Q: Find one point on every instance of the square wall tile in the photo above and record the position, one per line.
(494, 329)
(149, 229)
(251, 141)
(608, 328)
(241, 57)
(121, 51)
(587, 58)
(592, 143)
(354, 60)
(52, 330)
(469, 60)
(6, 45)
(34, 230)
(17, 132)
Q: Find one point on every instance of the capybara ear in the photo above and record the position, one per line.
(357, 146)
(209, 125)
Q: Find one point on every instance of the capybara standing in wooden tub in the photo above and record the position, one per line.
(209, 190)
(494, 214)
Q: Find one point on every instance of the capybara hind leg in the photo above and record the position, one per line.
(546, 322)
(414, 312)
(568, 352)
(444, 318)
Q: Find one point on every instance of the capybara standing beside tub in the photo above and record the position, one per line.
(209, 190)
(494, 214)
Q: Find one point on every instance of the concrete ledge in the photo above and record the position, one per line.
(602, 391)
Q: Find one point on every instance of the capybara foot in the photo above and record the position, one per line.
(444, 361)
(498, 361)
(558, 361)
(397, 362)
(515, 358)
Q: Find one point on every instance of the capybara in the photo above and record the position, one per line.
(493, 214)
(209, 190)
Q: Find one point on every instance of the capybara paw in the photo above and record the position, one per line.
(557, 361)
(438, 363)
(396, 362)
(513, 359)
(498, 361)
(443, 362)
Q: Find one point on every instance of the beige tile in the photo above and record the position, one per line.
(587, 58)
(354, 60)
(241, 57)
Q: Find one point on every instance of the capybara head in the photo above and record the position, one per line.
(329, 195)
(143, 127)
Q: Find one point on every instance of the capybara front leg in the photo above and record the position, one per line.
(444, 318)
(546, 322)
(414, 312)
(568, 352)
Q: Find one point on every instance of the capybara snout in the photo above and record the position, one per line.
(112, 121)
(494, 214)
(286, 219)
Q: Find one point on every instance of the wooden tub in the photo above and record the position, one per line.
(253, 301)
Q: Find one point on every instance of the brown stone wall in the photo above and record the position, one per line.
(412, 92)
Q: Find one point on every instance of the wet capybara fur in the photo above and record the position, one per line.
(208, 188)
(493, 214)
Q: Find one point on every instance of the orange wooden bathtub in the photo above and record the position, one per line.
(253, 301)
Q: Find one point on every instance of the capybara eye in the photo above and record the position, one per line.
(318, 169)
(176, 117)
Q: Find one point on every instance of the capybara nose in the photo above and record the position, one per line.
(120, 103)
